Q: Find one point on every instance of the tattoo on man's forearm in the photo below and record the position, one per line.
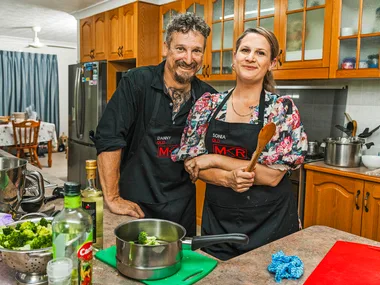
(179, 98)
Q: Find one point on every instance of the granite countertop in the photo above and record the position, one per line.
(361, 172)
(310, 244)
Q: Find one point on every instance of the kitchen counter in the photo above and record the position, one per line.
(353, 172)
(310, 244)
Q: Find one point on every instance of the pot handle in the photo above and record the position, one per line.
(40, 184)
(368, 145)
(203, 241)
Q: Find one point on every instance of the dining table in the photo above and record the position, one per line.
(47, 133)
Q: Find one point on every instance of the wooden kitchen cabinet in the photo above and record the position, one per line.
(304, 37)
(355, 43)
(132, 39)
(122, 32)
(344, 203)
(331, 201)
(131, 33)
(223, 18)
(371, 211)
(93, 38)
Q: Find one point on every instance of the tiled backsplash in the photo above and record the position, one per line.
(322, 109)
(363, 105)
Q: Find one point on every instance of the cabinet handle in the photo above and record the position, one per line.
(203, 70)
(366, 201)
(356, 199)
(208, 75)
(121, 50)
(118, 51)
(92, 53)
(279, 57)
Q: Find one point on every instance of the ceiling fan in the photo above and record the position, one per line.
(38, 44)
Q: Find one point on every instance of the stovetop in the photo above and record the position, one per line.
(313, 158)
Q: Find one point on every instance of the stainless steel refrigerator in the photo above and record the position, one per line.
(87, 100)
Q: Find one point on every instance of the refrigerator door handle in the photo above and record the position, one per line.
(77, 104)
(82, 110)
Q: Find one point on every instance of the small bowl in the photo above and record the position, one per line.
(371, 161)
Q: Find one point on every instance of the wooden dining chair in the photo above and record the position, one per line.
(25, 135)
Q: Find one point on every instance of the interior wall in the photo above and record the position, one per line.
(65, 58)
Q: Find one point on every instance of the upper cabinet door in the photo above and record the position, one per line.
(262, 13)
(224, 19)
(114, 34)
(167, 11)
(128, 20)
(199, 8)
(305, 33)
(99, 38)
(86, 45)
(355, 39)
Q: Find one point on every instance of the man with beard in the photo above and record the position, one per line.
(143, 123)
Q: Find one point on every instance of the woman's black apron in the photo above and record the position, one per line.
(263, 213)
(150, 178)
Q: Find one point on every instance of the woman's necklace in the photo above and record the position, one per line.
(240, 115)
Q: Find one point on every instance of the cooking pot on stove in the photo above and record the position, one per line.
(313, 148)
(13, 174)
(344, 152)
(150, 262)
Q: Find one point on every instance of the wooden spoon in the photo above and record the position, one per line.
(266, 133)
(354, 127)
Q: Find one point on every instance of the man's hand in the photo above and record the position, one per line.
(196, 164)
(109, 172)
(120, 206)
(239, 180)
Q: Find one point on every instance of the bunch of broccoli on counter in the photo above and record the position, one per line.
(147, 240)
(27, 236)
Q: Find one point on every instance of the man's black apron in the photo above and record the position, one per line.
(263, 213)
(161, 187)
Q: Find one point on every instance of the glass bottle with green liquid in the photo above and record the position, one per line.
(72, 235)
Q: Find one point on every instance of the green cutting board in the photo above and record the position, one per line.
(194, 267)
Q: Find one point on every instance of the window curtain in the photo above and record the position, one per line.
(29, 79)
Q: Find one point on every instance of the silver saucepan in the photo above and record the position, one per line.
(145, 262)
(12, 184)
(344, 152)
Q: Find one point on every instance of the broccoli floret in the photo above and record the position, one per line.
(147, 240)
(28, 226)
(26, 236)
(43, 231)
(29, 234)
(41, 242)
(16, 239)
(43, 222)
(152, 240)
(142, 239)
(7, 231)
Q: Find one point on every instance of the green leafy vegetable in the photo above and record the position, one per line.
(147, 240)
(27, 235)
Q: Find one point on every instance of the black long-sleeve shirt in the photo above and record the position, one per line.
(123, 123)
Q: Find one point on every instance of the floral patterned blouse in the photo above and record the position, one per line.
(285, 151)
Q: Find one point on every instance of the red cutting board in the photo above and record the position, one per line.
(348, 263)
